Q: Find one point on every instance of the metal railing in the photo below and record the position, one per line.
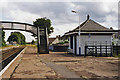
(104, 48)
(7, 25)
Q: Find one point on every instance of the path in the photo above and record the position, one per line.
(66, 73)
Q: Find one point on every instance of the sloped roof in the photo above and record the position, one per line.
(51, 40)
(91, 26)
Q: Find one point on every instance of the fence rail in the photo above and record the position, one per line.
(98, 50)
(103, 49)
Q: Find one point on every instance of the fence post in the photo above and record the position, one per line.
(100, 50)
(106, 48)
(85, 51)
(93, 49)
(117, 49)
(96, 50)
(111, 50)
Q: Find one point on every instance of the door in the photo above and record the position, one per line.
(71, 42)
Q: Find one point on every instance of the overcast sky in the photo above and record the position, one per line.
(63, 20)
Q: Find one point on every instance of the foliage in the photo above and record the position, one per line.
(2, 38)
(44, 22)
(60, 43)
(115, 54)
(63, 42)
(33, 42)
(112, 43)
(66, 41)
(18, 37)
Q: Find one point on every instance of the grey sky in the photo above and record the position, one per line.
(63, 20)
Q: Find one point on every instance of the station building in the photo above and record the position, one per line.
(90, 32)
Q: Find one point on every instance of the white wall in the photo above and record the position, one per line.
(85, 38)
(69, 43)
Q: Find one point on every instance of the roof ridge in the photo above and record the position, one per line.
(84, 23)
(81, 24)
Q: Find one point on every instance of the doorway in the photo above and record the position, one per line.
(75, 45)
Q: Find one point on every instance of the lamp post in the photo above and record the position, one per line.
(79, 30)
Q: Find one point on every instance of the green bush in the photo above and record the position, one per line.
(66, 41)
(61, 43)
(115, 55)
(33, 42)
(112, 43)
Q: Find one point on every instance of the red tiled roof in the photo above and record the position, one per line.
(51, 40)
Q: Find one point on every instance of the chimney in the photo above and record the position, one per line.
(88, 17)
(111, 28)
(58, 37)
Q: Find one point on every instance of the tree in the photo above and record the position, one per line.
(18, 37)
(44, 22)
(2, 38)
(33, 42)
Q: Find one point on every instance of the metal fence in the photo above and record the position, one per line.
(103, 49)
(8, 25)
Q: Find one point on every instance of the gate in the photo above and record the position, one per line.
(99, 49)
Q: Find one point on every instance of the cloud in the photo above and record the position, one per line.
(60, 13)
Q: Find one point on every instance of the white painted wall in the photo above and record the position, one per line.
(85, 38)
(99, 38)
